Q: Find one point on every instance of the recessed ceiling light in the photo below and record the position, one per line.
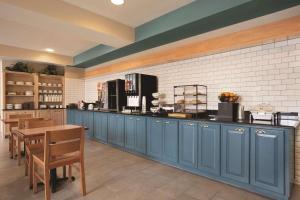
(49, 50)
(117, 2)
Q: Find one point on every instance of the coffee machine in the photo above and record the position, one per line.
(138, 86)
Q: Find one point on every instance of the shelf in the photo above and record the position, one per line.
(182, 95)
(51, 86)
(50, 102)
(19, 73)
(190, 103)
(20, 95)
(20, 85)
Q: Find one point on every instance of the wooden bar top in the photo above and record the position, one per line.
(32, 132)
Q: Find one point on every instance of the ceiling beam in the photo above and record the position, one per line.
(60, 16)
(31, 55)
(241, 39)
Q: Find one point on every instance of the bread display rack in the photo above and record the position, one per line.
(190, 99)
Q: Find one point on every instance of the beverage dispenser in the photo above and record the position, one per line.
(138, 86)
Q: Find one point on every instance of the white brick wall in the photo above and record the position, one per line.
(74, 90)
(268, 73)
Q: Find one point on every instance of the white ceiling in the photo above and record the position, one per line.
(133, 12)
(73, 26)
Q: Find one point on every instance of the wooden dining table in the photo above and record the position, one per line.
(34, 132)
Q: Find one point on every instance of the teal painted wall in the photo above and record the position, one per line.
(187, 14)
(92, 53)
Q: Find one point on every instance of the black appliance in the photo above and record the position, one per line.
(72, 106)
(228, 111)
(116, 95)
(138, 86)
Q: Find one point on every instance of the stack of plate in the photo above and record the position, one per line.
(10, 82)
(28, 83)
(11, 93)
(20, 83)
(18, 106)
(29, 93)
(9, 106)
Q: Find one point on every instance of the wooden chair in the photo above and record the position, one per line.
(18, 139)
(12, 138)
(61, 148)
(34, 145)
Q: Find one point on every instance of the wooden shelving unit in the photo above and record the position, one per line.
(54, 92)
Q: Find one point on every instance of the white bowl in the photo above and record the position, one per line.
(28, 83)
(10, 82)
(20, 83)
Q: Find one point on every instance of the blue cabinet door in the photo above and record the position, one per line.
(112, 128)
(70, 116)
(188, 144)
(155, 137)
(235, 153)
(120, 130)
(78, 117)
(140, 135)
(170, 141)
(100, 126)
(130, 132)
(87, 121)
(209, 142)
(267, 159)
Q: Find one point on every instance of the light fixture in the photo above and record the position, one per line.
(49, 50)
(117, 2)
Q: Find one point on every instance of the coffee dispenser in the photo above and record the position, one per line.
(138, 86)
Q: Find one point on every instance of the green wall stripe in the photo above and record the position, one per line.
(247, 11)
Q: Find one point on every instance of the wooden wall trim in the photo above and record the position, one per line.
(274, 31)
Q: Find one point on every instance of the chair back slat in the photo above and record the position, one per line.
(39, 123)
(60, 149)
(62, 142)
(64, 135)
(22, 121)
(19, 116)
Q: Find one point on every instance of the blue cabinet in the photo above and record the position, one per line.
(135, 134)
(209, 142)
(140, 135)
(78, 119)
(235, 153)
(88, 121)
(170, 141)
(162, 143)
(112, 128)
(100, 126)
(116, 127)
(130, 132)
(267, 159)
(188, 144)
(70, 116)
(155, 138)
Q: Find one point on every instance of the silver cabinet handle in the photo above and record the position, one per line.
(191, 124)
(260, 131)
(240, 130)
(138, 119)
(266, 135)
(205, 126)
(167, 122)
(130, 118)
(157, 121)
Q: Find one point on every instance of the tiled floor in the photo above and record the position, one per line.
(117, 175)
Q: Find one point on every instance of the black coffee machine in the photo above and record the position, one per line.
(138, 86)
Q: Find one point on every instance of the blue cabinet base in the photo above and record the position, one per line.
(225, 152)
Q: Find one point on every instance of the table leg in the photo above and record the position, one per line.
(53, 179)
